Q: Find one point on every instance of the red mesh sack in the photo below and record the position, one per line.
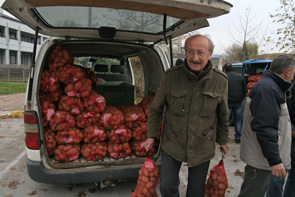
(86, 119)
(51, 96)
(62, 120)
(70, 74)
(47, 111)
(256, 77)
(71, 104)
(120, 134)
(50, 141)
(217, 181)
(139, 133)
(70, 136)
(145, 103)
(94, 133)
(91, 75)
(111, 118)
(79, 89)
(94, 151)
(147, 180)
(59, 57)
(138, 148)
(118, 150)
(94, 102)
(66, 153)
(251, 84)
(49, 81)
(132, 115)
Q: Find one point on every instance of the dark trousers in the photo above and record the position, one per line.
(290, 184)
(169, 177)
(236, 110)
(255, 182)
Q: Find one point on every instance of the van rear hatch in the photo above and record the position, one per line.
(136, 20)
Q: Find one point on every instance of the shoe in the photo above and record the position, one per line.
(238, 141)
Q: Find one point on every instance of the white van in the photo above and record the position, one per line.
(98, 35)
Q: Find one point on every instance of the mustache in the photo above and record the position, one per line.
(195, 62)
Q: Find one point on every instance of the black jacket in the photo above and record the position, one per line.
(291, 108)
(237, 88)
(267, 96)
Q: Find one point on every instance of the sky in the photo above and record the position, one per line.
(224, 29)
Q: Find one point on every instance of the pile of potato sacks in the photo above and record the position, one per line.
(77, 120)
(252, 80)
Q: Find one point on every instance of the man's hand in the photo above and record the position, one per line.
(278, 170)
(148, 143)
(293, 133)
(224, 149)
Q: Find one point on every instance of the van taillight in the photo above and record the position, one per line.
(30, 118)
(32, 140)
(31, 128)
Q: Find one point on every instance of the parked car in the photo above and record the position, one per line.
(111, 39)
(237, 67)
(253, 67)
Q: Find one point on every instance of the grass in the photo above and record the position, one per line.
(12, 87)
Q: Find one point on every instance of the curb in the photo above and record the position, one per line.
(12, 114)
(17, 113)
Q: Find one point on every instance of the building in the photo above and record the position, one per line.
(16, 41)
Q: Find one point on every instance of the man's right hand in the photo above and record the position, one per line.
(278, 170)
(148, 143)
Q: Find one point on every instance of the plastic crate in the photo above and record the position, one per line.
(117, 94)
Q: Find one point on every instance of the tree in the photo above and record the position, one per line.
(245, 40)
(285, 16)
(236, 53)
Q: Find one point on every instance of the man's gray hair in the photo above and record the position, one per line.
(211, 45)
(282, 63)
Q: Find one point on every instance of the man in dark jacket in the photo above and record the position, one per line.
(194, 96)
(237, 91)
(266, 132)
(289, 188)
(276, 184)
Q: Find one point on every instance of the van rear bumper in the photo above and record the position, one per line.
(39, 173)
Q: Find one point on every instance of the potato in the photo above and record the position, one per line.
(221, 179)
(145, 172)
(214, 176)
(144, 179)
(221, 186)
(149, 184)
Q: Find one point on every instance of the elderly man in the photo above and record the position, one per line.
(195, 98)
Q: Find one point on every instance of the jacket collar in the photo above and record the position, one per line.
(284, 85)
(198, 75)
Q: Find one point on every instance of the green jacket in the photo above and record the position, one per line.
(196, 113)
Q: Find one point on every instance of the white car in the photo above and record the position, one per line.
(116, 39)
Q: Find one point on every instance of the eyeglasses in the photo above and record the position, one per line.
(199, 53)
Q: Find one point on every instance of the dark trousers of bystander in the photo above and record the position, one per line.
(169, 177)
(290, 183)
(236, 111)
(255, 182)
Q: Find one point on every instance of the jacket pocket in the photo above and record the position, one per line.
(210, 102)
(177, 101)
(207, 133)
(206, 142)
